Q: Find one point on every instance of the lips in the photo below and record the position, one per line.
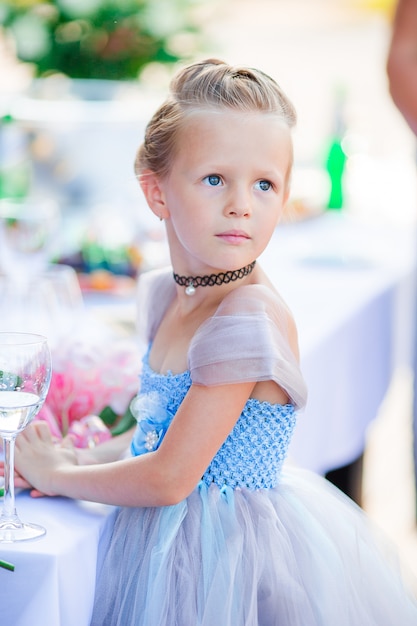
(234, 236)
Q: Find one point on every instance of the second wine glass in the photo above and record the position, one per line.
(27, 232)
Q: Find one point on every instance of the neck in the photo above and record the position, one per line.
(191, 283)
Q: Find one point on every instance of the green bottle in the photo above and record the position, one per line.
(336, 157)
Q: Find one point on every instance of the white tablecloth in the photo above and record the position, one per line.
(54, 577)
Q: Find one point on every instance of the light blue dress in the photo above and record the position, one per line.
(256, 543)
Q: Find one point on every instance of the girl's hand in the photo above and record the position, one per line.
(38, 456)
(21, 483)
(83, 456)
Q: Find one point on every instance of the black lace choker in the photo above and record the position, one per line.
(192, 282)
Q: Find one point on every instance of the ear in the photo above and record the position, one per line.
(154, 193)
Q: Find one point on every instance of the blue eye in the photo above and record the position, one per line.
(264, 185)
(213, 179)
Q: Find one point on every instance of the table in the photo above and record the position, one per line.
(351, 288)
(54, 577)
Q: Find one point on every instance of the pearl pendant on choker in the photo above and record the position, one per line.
(192, 282)
(190, 289)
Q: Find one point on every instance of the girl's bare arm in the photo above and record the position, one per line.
(163, 477)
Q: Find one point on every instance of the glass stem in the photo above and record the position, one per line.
(9, 509)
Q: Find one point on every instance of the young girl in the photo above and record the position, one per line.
(211, 530)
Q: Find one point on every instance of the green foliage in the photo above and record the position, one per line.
(118, 424)
(104, 39)
(108, 416)
(125, 423)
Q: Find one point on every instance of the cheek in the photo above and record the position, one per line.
(272, 210)
(189, 228)
(267, 222)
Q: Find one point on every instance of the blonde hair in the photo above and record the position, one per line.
(207, 84)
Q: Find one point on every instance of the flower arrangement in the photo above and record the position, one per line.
(91, 389)
(104, 39)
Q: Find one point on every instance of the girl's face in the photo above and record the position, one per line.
(226, 189)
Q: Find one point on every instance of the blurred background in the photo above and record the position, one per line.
(79, 80)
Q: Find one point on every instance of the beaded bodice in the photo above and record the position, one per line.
(251, 456)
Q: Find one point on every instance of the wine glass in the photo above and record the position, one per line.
(25, 374)
(27, 232)
(51, 305)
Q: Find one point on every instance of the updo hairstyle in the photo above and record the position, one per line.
(206, 85)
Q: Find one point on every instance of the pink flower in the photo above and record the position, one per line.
(87, 377)
(88, 432)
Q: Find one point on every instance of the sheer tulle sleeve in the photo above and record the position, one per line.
(156, 289)
(248, 340)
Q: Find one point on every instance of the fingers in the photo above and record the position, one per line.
(34, 493)
(42, 431)
(21, 483)
(37, 431)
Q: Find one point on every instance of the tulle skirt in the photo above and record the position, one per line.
(301, 554)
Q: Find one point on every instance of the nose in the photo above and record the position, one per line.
(239, 203)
